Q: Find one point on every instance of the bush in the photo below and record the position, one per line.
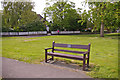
(34, 26)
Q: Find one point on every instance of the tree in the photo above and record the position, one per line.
(34, 26)
(17, 14)
(104, 14)
(70, 21)
(63, 15)
(85, 20)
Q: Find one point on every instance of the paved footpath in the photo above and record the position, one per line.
(16, 69)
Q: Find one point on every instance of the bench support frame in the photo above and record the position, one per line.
(84, 58)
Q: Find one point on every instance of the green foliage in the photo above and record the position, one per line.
(102, 15)
(18, 15)
(85, 21)
(70, 20)
(62, 15)
(106, 13)
(33, 26)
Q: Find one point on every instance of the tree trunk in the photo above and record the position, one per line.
(102, 29)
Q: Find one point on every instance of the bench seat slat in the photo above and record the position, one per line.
(66, 56)
(80, 52)
(71, 46)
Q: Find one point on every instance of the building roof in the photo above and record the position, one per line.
(41, 17)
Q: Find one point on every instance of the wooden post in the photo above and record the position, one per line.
(53, 50)
(88, 55)
(84, 59)
(46, 55)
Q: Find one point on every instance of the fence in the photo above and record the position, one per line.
(36, 33)
(65, 32)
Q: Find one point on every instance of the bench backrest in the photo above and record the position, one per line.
(71, 46)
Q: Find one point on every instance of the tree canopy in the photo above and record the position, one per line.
(63, 16)
(104, 15)
(18, 15)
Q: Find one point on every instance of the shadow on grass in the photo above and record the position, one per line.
(97, 35)
(70, 65)
(85, 35)
(113, 34)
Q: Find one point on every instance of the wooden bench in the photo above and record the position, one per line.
(84, 57)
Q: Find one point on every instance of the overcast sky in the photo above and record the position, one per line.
(41, 4)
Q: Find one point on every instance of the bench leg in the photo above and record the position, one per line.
(88, 63)
(46, 58)
(52, 57)
(83, 65)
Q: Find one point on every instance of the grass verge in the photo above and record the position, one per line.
(103, 58)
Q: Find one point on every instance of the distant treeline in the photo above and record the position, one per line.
(19, 17)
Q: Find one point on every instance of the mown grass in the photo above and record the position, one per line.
(103, 58)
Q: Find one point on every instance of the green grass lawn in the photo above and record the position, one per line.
(103, 58)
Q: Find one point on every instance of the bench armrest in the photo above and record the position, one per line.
(48, 48)
(86, 52)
